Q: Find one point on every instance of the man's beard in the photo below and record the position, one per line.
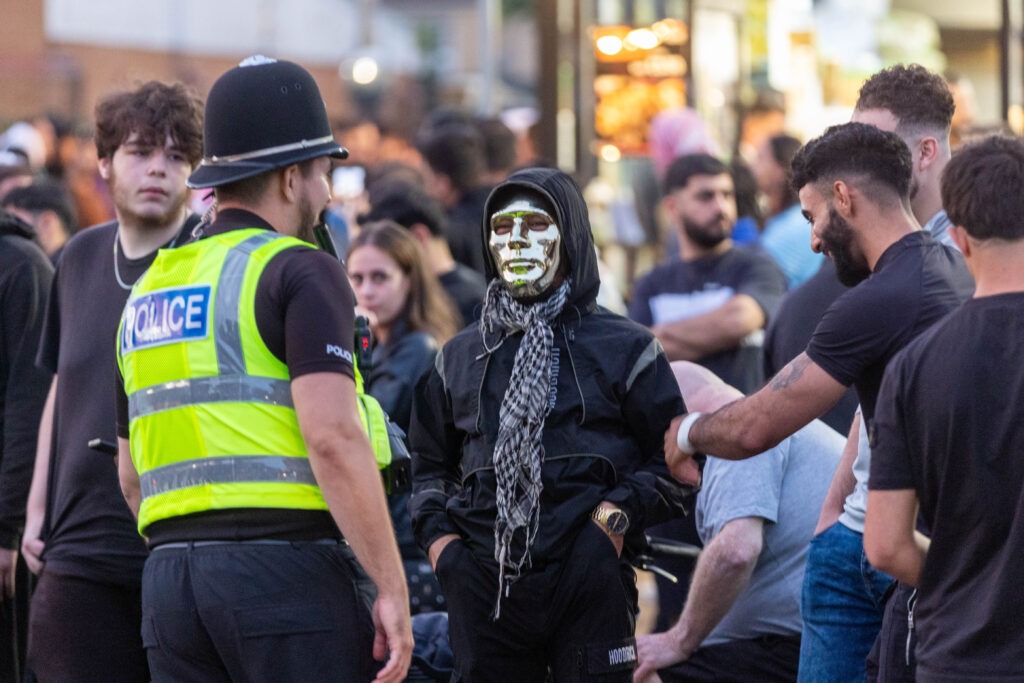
(837, 239)
(308, 218)
(706, 235)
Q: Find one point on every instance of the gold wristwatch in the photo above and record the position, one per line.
(614, 520)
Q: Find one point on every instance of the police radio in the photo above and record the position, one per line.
(364, 354)
(386, 438)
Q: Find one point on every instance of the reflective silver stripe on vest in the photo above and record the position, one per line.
(230, 360)
(251, 469)
(186, 392)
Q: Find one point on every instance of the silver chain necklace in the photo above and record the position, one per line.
(117, 273)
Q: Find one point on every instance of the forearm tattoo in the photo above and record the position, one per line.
(790, 374)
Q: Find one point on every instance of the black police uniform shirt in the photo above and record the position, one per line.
(916, 282)
(948, 425)
(303, 303)
(88, 529)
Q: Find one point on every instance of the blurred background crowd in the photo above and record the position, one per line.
(609, 91)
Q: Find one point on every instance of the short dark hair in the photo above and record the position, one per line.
(877, 157)
(499, 144)
(745, 187)
(457, 151)
(44, 195)
(250, 190)
(783, 148)
(406, 204)
(916, 96)
(154, 110)
(685, 167)
(981, 188)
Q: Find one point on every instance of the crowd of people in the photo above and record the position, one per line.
(814, 386)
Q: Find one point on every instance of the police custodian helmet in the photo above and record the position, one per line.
(261, 115)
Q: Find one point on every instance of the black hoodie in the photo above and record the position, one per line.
(602, 439)
(25, 278)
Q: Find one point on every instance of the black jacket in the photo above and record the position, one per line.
(602, 439)
(395, 369)
(25, 278)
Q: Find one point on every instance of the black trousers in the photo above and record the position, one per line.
(765, 659)
(574, 617)
(892, 659)
(14, 624)
(83, 630)
(257, 611)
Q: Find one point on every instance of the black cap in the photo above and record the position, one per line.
(261, 115)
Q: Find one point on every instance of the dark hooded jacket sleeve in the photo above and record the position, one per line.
(436, 467)
(614, 398)
(648, 493)
(25, 279)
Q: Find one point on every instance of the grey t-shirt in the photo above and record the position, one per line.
(785, 486)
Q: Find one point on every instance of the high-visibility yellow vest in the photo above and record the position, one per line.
(211, 419)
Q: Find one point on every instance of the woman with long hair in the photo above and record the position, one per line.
(410, 317)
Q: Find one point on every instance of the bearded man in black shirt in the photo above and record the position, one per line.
(853, 184)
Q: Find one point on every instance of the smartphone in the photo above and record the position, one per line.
(348, 182)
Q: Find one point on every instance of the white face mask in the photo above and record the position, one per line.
(525, 243)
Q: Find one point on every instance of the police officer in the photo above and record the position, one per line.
(245, 453)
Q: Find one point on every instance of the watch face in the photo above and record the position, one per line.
(618, 522)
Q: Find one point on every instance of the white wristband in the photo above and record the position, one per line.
(683, 436)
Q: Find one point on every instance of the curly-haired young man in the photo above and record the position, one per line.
(86, 618)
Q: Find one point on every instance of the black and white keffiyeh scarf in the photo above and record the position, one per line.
(518, 453)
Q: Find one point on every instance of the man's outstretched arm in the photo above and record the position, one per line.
(800, 392)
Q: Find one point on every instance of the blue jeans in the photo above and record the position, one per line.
(842, 607)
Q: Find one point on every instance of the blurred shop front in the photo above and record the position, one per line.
(748, 68)
(609, 67)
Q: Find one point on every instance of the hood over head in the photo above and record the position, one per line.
(572, 218)
(12, 225)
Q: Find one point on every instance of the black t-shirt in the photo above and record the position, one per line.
(88, 530)
(916, 282)
(682, 289)
(792, 327)
(304, 305)
(466, 288)
(949, 425)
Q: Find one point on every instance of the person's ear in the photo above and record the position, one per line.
(420, 233)
(843, 199)
(289, 178)
(961, 239)
(104, 167)
(928, 152)
(671, 204)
